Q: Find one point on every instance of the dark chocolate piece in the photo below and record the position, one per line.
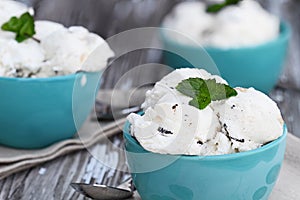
(199, 142)
(164, 131)
(230, 137)
(174, 107)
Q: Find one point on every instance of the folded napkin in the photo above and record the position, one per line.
(14, 160)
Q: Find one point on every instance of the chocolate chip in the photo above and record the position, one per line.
(230, 137)
(199, 142)
(164, 131)
(174, 107)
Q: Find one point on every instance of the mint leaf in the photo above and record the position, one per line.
(219, 91)
(201, 101)
(23, 27)
(214, 8)
(204, 91)
(191, 87)
(12, 25)
(217, 7)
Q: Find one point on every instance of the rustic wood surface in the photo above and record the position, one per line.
(51, 180)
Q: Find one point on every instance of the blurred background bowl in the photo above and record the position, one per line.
(37, 112)
(246, 175)
(258, 66)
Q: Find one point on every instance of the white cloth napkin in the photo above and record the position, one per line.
(14, 160)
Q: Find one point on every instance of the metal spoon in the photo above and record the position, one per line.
(104, 192)
(106, 112)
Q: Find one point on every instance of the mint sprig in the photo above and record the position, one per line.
(204, 92)
(217, 7)
(22, 26)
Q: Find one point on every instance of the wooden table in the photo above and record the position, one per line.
(51, 180)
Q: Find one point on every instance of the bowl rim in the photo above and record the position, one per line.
(127, 136)
(49, 79)
(284, 35)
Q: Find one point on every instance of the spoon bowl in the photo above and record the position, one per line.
(104, 192)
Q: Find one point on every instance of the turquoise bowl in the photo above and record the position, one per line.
(38, 112)
(248, 175)
(255, 66)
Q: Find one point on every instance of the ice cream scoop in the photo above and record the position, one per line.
(172, 125)
(233, 27)
(10, 8)
(53, 50)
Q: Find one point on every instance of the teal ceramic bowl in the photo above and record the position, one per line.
(257, 66)
(248, 175)
(38, 112)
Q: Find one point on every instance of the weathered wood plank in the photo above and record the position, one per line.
(289, 102)
(51, 180)
(6, 185)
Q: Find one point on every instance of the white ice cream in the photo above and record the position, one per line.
(171, 126)
(9, 8)
(245, 24)
(168, 83)
(69, 50)
(20, 59)
(251, 115)
(45, 28)
(61, 50)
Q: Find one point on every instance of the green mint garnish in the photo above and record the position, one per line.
(22, 26)
(204, 92)
(217, 7)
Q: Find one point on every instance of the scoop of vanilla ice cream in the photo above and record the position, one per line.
(68, 50)
(169, 110)
(250, 116)
(61, 50)
(232, 27)
(10, 8)
(157, 132)
(20, 59)
(17, 59)
(171, 126)
(44, 28)
(168, 84)
(191, 22)
(237, 26)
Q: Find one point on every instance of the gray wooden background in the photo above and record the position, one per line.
(108, 17)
